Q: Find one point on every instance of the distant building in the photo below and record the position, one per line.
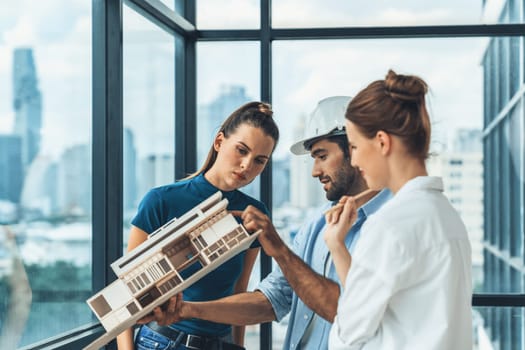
(462, 173)
(504, 165)
(39, 195)
(27, 103)
(281, 181)
(11, 178)
(305, 191)
(74, 179)
(155, 170)
(468, 140)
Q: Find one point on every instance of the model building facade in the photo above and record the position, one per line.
(199, 241)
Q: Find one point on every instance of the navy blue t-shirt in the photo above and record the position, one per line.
(164, 203)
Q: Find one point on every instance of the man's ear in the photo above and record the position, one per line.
(218, 141)
(384, 141)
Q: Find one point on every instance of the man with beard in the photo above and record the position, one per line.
(305, 285)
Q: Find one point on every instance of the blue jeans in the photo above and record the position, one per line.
(148, 339)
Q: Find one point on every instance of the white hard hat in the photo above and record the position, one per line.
(327, 119)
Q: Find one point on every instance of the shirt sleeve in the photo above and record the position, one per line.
(278, 292)
(360, 310)
(149, 214)
(276, 287)
(377, 269)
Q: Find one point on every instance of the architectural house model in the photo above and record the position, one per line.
(172, 258)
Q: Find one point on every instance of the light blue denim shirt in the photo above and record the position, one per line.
(309, 245)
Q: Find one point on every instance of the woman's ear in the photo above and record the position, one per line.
(384, 141)
(218, 141)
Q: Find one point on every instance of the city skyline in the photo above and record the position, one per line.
(7, 124)
(150, 170)
(140, 171)
(333, 68)
(210, 116)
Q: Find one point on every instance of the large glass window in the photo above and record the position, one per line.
(305, 72)
(475, 100)
(45, 169)
(334, 13)
(498, 327)
(228, 14)
(148, 108)
(308, 71)
(220, 91)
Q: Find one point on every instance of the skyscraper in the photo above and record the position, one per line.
(155, 170)
(74, 178)
(39, 193)
(462, 171)
(27, 103)
(504, 176)
(281, 182)
(10, 168)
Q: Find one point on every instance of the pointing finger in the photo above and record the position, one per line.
(236, 212)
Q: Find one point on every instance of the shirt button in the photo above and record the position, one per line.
(305, 316)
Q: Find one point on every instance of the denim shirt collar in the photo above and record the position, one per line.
(373, 204)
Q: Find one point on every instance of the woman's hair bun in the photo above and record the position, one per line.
(407, 88)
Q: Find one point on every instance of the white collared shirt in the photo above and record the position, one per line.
(409, 285)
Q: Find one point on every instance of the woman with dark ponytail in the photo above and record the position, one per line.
(408, 284)
(239, 153)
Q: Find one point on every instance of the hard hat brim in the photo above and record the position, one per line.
(299, 148)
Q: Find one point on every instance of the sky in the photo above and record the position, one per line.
(332, 13)
(60, 34)
(304, 72)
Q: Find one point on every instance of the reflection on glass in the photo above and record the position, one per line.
(229, 14)
(333, 13)
(149, 110)
(220, 92)
(45, 171)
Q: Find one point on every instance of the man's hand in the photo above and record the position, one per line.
(254, 220)
(169, 313)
